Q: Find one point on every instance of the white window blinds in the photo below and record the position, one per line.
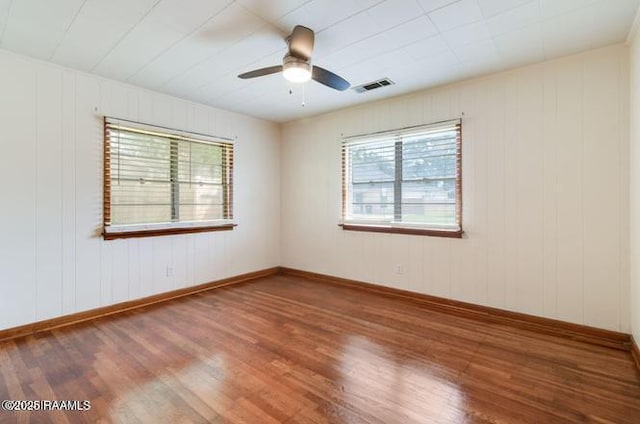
(157, 178)
(404, 178)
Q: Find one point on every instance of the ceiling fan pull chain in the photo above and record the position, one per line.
(303, 84)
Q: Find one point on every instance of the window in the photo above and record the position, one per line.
(404, 181)
(159, 181)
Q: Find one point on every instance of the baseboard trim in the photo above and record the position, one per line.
(592, 335)
(635, 352)
(65, 320)
(584, 333)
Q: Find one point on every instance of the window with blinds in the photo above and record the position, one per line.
(159, 181)
(406, 181)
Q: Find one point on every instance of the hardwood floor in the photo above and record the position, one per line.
(288, 350)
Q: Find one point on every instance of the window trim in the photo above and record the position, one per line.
(398, 227)
(401, 230)
(121, 231)
(113, 235)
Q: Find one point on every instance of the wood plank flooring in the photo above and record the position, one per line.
(288, 350)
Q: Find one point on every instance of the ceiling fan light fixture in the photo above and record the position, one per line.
(296, 64)
(296, 70)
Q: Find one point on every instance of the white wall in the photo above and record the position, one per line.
(635, 182)
(52, 259)
(545, 193)
(546, 199)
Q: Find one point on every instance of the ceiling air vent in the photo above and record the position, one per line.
(373, 85)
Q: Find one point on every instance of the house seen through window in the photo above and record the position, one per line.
(406, 180)
(157, 180)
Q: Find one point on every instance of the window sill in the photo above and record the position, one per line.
(402, 230)
(165, 231)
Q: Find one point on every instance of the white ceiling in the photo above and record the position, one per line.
(195, 48)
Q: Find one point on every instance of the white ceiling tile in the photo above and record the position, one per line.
(460, 13)
(493, 7)
(20, 38)
(427, 47)
(436, 73)
(484, 66)
(260, 98)
(252, 49)
(568, 33)
(142, 44)
(388, 61)
(229, 84)
(216, 35)
(230, 26)
(320, 14)
(237, 98)
(584, 28)
(97, 28)
(612, 24)
(271, 11)
(173, 62)
(4, 15)
(514, 19)
(174, 14)
(435, 70)
(405, 77)
(189, 81)
(36, 27)
(520, 47)
(480, 52)
(595, 25)
(195, 50)
(54, 15)
(124, 13)
(86, 42)
(460, 36)
(429, 5)
(374, 68)
(440, 61)
(38, 42)
(378, 45)
(240, 58)
(391, 13)
(344, 33)
(179, 88)
(314, 15)
(550, 8)
(414, 30)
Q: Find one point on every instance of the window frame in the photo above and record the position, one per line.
(119, 231)
(395, 227)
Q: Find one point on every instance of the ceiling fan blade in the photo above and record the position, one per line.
(301, 42)
(329, 79)
(261, 72)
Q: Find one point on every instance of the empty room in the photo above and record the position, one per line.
(320, 211)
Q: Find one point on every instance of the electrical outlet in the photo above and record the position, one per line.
(400, 269)
(169, 271)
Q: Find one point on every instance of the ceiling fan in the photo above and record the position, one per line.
(296, 64)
